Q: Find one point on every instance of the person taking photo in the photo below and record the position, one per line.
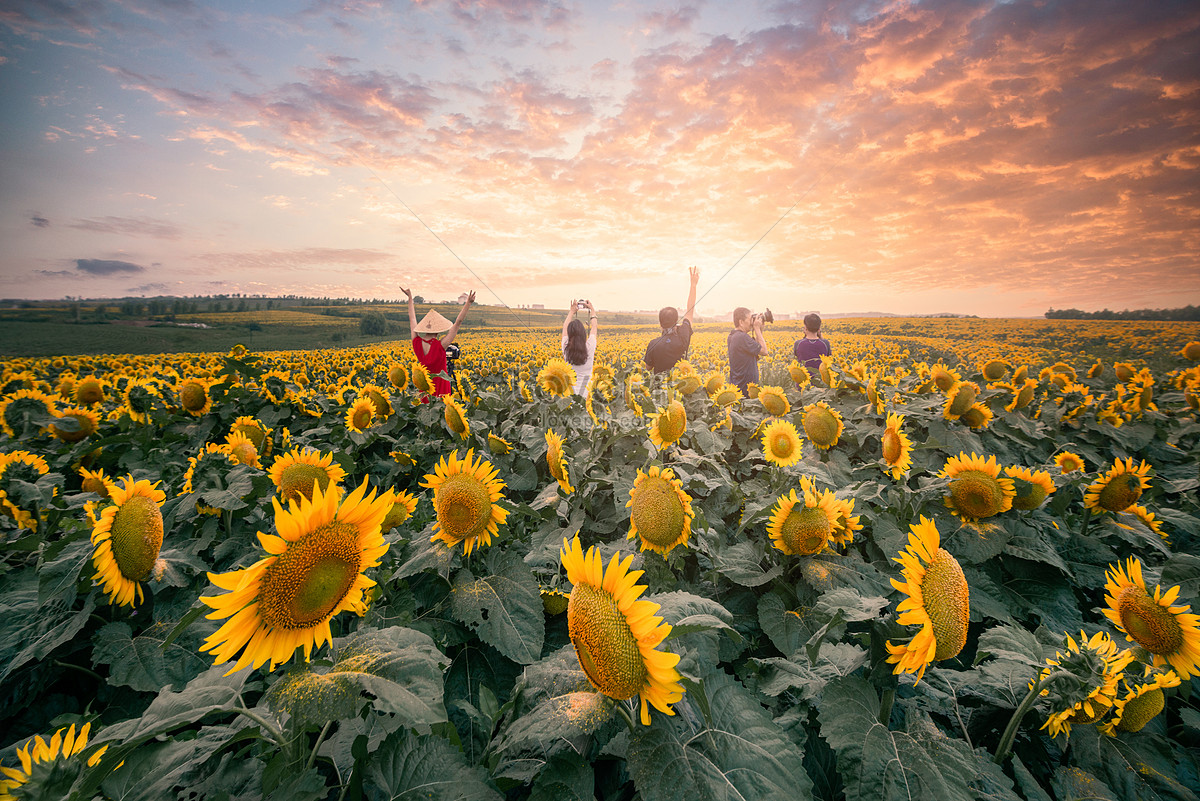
(746, 346)
(578, 348)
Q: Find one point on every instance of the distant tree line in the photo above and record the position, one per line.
(1187, 314)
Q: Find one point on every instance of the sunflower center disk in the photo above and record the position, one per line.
(774, 404)
(137, 535)
(306, 582)
(821, 427)
(976, 494)
(891, 446)
(192, 397)
(1153, 627)
(464, 506)
(1141, 710)
(608, 651)
(253, 433)
(1029, 495)
(658, 512)
(781, 445)
(1120, 493)
(963, 400)
(945, 593)
(805, 531)
(297, 480)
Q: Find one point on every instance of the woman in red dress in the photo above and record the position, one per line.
(429, 348)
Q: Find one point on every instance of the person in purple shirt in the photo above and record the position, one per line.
(813, 346)
(746, 345)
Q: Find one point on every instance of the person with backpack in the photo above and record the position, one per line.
(809, 350)
(672, 345)
(580, 350)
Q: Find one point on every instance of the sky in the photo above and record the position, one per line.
(990, 158)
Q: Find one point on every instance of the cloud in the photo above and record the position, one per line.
(107, 266)
(144, 288)
(39, 221)
(670, 21)
(129, 226)
(290, 259)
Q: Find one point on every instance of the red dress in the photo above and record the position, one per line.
(434, 360)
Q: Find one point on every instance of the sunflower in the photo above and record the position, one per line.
(402, 509)
(1191, 351)
(242, 450)
(1097, 667)
(826, 372)
(1140, 704)
(1069, 462)
(660, 511)
(938, 601)
(193, 396)
(995, 369)
(456, 417)
(25, 409)
(959, 399)
(635, 387)
(1032, 487)
(89, 390)
(1119, 488)
(20, 466)
(668, 425)
(398, 377)
(1096, 370)
(294, 473)
(499, 446)
(466, 493)
(1124, 371)
(713, 382)
(554, 602)
(37, 752)
(127, 538)
(204, 472)
(97, 482)
(897, 447)
(421, 379)
(360, 415)
(846, 523)
(142, 399)
(943, 377)
(259, 434)
(978, 417)
(823, 425)
(781, 443)
(1022, 395)
(976, 489)
(557, 461)
(799, 373)
(314, 569)
(729, 395)
(615, 634)
(557, 378)
(773, 401)
(1167, 631)
(801, 526)
(1147, 519)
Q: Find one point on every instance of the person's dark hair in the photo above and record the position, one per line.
(812, 322)
(667, 317)
(576, 347)
(739, 314)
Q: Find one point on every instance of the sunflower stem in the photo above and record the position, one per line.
(1087, 518)
(624, 713)
(312, 757)
(275, 732)
(885, 705)
(81, 669)
(1014, 723)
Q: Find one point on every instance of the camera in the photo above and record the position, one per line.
(581, 305)
(766, 317)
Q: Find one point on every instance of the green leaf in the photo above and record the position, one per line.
(208, 693)
(1011, 643)
(408, 766)
(144, 662)
(566, 777)
(504, 608)
(401, 669)
(877, 764)
(741, 754)
(153, 771)
(780, 624)
(32, 632)
(741, 563)
(808, 678)
(977, 542)
(57, 579)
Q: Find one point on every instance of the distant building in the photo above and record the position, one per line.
(463, 297)
(538, 306)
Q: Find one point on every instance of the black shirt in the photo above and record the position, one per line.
(743, 359)
(664, 351)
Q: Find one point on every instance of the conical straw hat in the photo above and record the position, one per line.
(433, 323)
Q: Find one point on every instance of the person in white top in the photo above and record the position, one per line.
(578, 350)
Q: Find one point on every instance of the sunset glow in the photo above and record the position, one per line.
(995, 158)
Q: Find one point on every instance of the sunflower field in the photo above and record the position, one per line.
(959, 560)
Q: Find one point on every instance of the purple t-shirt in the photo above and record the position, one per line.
(809, 352)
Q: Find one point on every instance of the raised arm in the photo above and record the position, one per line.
(592, 314)
(453, 332)
(570, 317)
(412, 314)
(758, 336)
(694, 277)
